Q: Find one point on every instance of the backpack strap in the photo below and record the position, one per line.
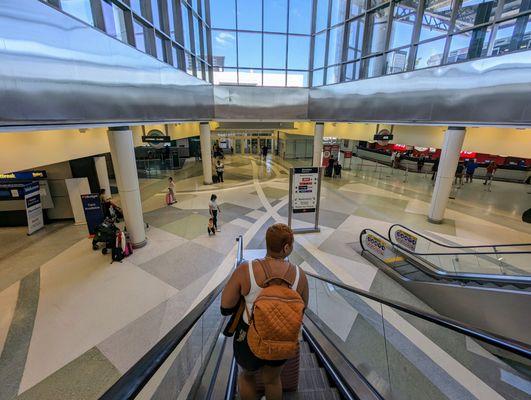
(270, 277)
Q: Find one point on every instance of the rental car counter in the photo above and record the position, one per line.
(12, 203)
(510, 173)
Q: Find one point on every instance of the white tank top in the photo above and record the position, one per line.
(255, 289)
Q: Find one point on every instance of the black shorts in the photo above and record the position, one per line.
(243, 354)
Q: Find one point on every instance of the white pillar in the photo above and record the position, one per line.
(242, 146)
(103, 176)
(318, 143)
(206, 154)
(124, 163)
(453, 142)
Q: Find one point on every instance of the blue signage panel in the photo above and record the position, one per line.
(93, 212)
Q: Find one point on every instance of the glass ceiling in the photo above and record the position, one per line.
(308, 43)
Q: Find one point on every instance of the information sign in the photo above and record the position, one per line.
(406, 240)
(304, 194)
(32, 199)
(93, 212)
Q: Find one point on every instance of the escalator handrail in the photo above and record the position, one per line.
(433, 269)
(470, 253)
(130, 384)
(390, 238)
(510, 345)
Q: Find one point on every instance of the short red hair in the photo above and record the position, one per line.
(277, 236)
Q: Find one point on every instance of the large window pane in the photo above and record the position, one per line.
(474, 12)
(275, 15)
(185, 11)
(373, 66)
(250, 77)
(335, 46)
(227, 76)
(352, 71)
(177, 56)
(199, 69)
(297, 79)
(514, 7)
(140, 35)
(205, 43)
(274, 51)
(274, 78)
(300, 16)
(114, 20)
(512, 35)
(338, 11)
(161, 49)
(404, 18)
(250, 15)
(319, 50)
(298, 52)
(171, 18)
(189, 63)
(430, 54)
(197, 36)
(136, 6)
(469, 45)
(156, 14)
(223, 14)
(374, 3)
(377, 30)
(321, 19)
(79, 9)
(357, 7)
(355, 38)
(396, 61)
(436, 21)
(249, 50)
(224, 48)
(332, 75)
(318, 77)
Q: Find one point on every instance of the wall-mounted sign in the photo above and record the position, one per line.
(304, 194)
(376, 245)
(399, 147)
(468, 154)
(23, 176)
(406, 240)
(156, 139)
(32, 198)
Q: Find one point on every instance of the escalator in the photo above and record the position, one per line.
(354, 345)
(446, 276)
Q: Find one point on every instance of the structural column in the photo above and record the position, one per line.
(453, 142)
(242, 146)
(124, 163)
(103, 176)
(318, 143)
(206, 154)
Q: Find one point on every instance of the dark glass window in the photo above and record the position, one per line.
(357, 7)
(355, 38)
(78, 8)
(396, 61)
(161, 48)
(430, 54)
(114, 19)
(156, 14)
(185, 11)
(318, 77)
(140, 35)
(474, 12)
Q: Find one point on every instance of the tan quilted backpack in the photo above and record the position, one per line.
(276, 318)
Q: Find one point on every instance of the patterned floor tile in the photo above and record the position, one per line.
(159, 241)
(188, 227)
(183, 265)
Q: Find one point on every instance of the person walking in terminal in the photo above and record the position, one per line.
(171, 191)
(491, 170)
(459, 173)
(220, 169)
(434, 169)
(214, 210)
(420, 163)
(330, 168)
(254, 288)
(470, 169)
(265, 150)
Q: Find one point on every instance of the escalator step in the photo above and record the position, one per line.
(308, 361)
(313, 379)
(420, 276)
(511, 287)
(327, 394)
(405, 269)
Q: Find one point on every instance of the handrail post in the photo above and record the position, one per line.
(500, 260)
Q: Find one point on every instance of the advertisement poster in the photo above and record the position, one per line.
(93, 212)
(406, 240)
(304, 190)
(32, 199)
(330, 150)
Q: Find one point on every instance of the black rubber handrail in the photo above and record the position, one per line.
(459, 246)
(133, 381)
(462, 253)
(501, 342)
